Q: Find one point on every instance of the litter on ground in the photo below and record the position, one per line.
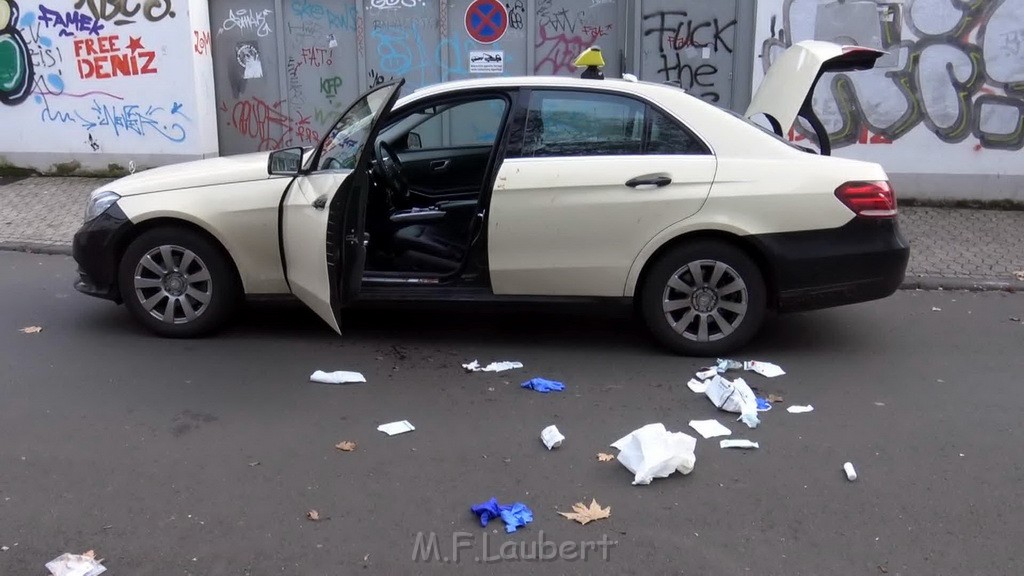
(763, 405)
(336, 377)
(653, 452)
(502, 366)
(709, 428)
(734, 396)
(697, 386)
(31, 330)
(705, 374)
(602, 457)
(513, 515)
(392, 428)
(551, 437)
(76, 565)
(738, 443)
(543, 385)
(800, 409)
(851, 474)
(766, 369)
(583, 514)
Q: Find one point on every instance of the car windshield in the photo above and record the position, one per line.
(347, 138)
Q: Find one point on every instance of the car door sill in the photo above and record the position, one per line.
(465, 294)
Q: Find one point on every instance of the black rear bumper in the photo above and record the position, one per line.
(865, 259)
(96, 247)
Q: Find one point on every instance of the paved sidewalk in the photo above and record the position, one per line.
(951, 248)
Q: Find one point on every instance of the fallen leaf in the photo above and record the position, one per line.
(31, 329)
(584, 514)
(774, 398)
(313, 515)
(602, 457)
(345, 446)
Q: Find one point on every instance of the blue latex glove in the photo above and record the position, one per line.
(487, 511)
(543, 385)
(514, 516)
(763, 405)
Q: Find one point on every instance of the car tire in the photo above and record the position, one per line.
(675, 304)
(200, 287)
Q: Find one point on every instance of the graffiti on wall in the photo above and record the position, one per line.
(122, 12)
(16, 70)
(563, 33)
(959, 74)
(84, 63)
(248, 20)
(684, 47)
(268, 125)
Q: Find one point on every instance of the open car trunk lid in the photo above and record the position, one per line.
(787, 88)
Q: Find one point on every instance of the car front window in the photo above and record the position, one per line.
(347, 138)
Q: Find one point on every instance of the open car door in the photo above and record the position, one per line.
(787, 88)
(322, 211)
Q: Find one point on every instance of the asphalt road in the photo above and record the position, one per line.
(144, 449)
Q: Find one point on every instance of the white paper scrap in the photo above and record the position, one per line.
(337, 377)
(653, 452)
(474, 366)
(766, 369)
(392, 428)
(738, 443)
(708, 373)
(709, 428)
(697, 386)
(800, 409)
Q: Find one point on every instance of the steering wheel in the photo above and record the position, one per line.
(391, 169)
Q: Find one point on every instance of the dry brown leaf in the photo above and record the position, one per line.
(602, 457)
(31, 329)
(584, 514)
(313, 515)
(345, 446)
(774, 398)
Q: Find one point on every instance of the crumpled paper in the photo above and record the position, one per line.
(75, 565)
(474, 366)
(336, 377)
(653, 452)
(734, 396)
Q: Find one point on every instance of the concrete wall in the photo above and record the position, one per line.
(99, 82)
(943, 113)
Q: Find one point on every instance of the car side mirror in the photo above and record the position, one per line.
(413, 141)
(286, 162)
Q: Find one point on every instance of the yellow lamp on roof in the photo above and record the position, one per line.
(593, 61)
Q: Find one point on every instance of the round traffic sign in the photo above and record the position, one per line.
(486, 21)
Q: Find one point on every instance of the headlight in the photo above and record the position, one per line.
(98, 203)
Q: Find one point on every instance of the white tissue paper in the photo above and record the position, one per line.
(766, 369)
(709, 428)
(738, 443)
(800, 409)
(337, 377)
(697, 386)
(653, 452)
(392, 428)
(474, 366)
(74, 565)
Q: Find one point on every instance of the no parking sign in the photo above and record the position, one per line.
(486, 21)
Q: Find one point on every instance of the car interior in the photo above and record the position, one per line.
(428, 177)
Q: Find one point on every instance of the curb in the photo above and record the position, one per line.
(915, 283)
(37, 248)
(966, 284)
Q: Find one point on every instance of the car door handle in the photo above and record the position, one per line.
(657, 180)
(440, 165)
(320, 203)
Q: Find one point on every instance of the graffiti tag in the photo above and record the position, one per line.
(100, 58)
(201, 45)
(315, 11)
(16, 71)
(259, 120)
(69, 22)
(391, 4)
(122, 12)
(247, 20)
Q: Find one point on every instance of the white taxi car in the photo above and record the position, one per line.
(518, 188)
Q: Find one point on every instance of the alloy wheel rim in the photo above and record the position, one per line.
(173, 284)
(705, 300)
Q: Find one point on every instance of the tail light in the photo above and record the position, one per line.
(868, 199)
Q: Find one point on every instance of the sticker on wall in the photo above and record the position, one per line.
(248, 54)
(487, 62)
(332, 42)
(486, 21)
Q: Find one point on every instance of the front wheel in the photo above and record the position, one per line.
(177, 283)
(705, 298)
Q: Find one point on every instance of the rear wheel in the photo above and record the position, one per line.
(704, 298)
(177, 283)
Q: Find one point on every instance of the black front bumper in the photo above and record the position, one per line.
(96, 248)
(865, 259)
